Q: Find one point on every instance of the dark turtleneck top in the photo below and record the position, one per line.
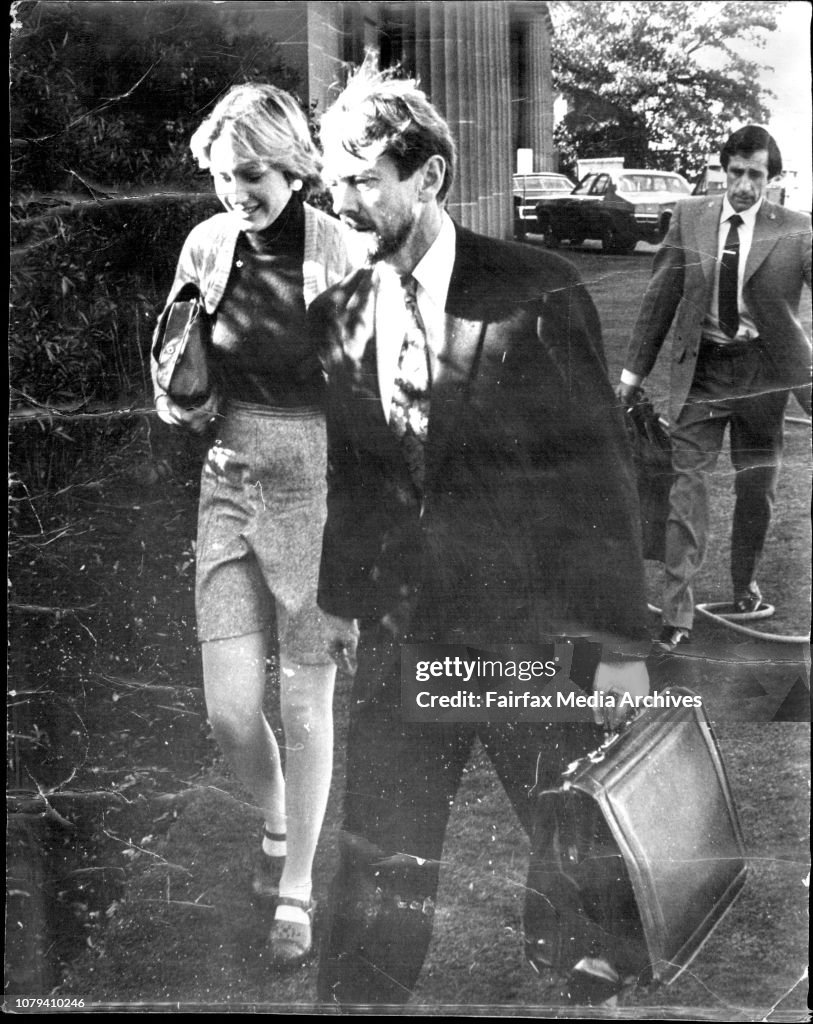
(261, 351)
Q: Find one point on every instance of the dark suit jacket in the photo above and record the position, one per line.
(529, 520)
(682, 283)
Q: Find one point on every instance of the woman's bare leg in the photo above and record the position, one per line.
(307, 719)
(234, 684)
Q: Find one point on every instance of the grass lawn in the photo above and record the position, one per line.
(183, 934)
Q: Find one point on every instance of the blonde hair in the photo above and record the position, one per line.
(263, 124)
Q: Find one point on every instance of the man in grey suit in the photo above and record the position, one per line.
(728, 279)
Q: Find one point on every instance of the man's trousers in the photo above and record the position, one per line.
(726, 391)
(401, 782)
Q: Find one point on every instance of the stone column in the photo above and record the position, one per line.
(540, 100)
(502, 155)
(460, 52)
(468, 57)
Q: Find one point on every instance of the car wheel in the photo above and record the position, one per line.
(549, 236)
(615, 242)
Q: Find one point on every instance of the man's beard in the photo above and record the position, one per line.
(381, 247)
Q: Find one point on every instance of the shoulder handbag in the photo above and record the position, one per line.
(181, 349)
(638, 854)
(652, 459)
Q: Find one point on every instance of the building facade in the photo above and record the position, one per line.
(484, 63)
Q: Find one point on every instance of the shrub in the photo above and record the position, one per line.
(104, 99)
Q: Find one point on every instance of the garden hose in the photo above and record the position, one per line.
(732, 620)
(711, 610)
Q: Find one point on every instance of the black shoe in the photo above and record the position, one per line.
(672, 637)
(593, 982)
(267, 873)
(749, 602)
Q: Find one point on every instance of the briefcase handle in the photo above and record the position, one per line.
(613, 738)
(593, 757)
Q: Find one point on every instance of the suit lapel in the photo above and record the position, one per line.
(458, 363)
(455, 369)
(454, 372)
(457, 366)
(766, 235)
(706, 239)
(358, 339)
(359, 322)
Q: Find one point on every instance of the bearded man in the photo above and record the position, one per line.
(479, 492)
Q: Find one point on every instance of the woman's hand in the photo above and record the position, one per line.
(196, 419)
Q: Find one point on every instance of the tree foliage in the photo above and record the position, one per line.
(104, 98)
(112, 92)
(659, 83)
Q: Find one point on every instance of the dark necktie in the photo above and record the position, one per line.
(728, 309)
(409, 410)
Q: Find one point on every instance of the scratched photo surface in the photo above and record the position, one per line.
(130, 842)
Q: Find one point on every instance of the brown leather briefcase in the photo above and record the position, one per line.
(652, 462)
(638, 855)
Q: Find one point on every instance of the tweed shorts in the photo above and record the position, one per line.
(262, 512)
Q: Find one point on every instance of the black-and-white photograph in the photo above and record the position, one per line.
(440, 644)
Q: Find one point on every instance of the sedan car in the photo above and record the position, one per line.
(530, 188)
(621, 208)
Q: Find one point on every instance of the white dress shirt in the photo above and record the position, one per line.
(711, 325)
(433, 274)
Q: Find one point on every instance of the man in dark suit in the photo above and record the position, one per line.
(480, 492)
(728, 278)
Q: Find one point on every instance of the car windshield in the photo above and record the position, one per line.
(552, 183)
(585, 184)
(651, 183)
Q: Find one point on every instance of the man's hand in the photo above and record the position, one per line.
(628, 394)
(342, 642)
(618, 678)
(196, 419)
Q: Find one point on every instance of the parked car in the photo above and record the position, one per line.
(620, 207)
(529, 189)
(710, 182)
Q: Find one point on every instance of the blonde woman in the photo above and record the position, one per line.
(258, 265)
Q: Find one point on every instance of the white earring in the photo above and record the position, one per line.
(296, 185)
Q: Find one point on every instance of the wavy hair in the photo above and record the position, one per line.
(264, 124)
(391, 115)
